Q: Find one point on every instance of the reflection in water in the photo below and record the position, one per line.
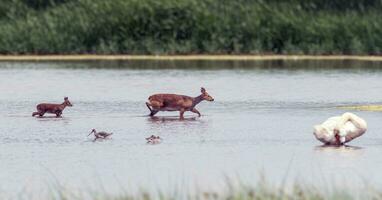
(318, 65)
(342, 148)
(65, 120)
(50, 118)
(174, 123)
(170, 118)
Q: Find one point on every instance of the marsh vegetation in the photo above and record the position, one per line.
(190, 27)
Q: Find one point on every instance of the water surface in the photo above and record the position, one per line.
(260, 123)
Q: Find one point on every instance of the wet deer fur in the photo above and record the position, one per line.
(175, 102)
(52, 108)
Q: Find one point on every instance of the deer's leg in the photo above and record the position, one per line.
(41, 113)
(196, 111)
(148, 106)
(153, 112)
(181, 112)
(154, 107)
(58, 113)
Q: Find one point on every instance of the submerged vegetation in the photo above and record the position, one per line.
(190, 26)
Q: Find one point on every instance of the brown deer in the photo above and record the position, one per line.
(175, 102)
(52, 108)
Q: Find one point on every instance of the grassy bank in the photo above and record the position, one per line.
(190, 27)
(260, 192)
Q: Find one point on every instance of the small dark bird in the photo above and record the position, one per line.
(154, 139)
(100, 135)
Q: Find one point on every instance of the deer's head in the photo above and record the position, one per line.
(67, 102)
(205, 95)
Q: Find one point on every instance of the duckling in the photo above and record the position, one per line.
(154, 139)
(100, 135)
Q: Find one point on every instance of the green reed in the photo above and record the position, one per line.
(190, 27)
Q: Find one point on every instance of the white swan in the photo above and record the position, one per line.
(340, 129)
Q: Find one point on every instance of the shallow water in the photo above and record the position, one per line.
(260, 123)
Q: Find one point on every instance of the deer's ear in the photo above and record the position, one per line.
(202, 90)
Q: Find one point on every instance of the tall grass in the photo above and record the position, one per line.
(190, 26)
(260, 192)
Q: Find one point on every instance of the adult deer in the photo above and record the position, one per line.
(52, 108)
(175, 102)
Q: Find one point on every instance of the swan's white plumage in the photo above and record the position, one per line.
(325, 131)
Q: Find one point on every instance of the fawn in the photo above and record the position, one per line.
(52, 108)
